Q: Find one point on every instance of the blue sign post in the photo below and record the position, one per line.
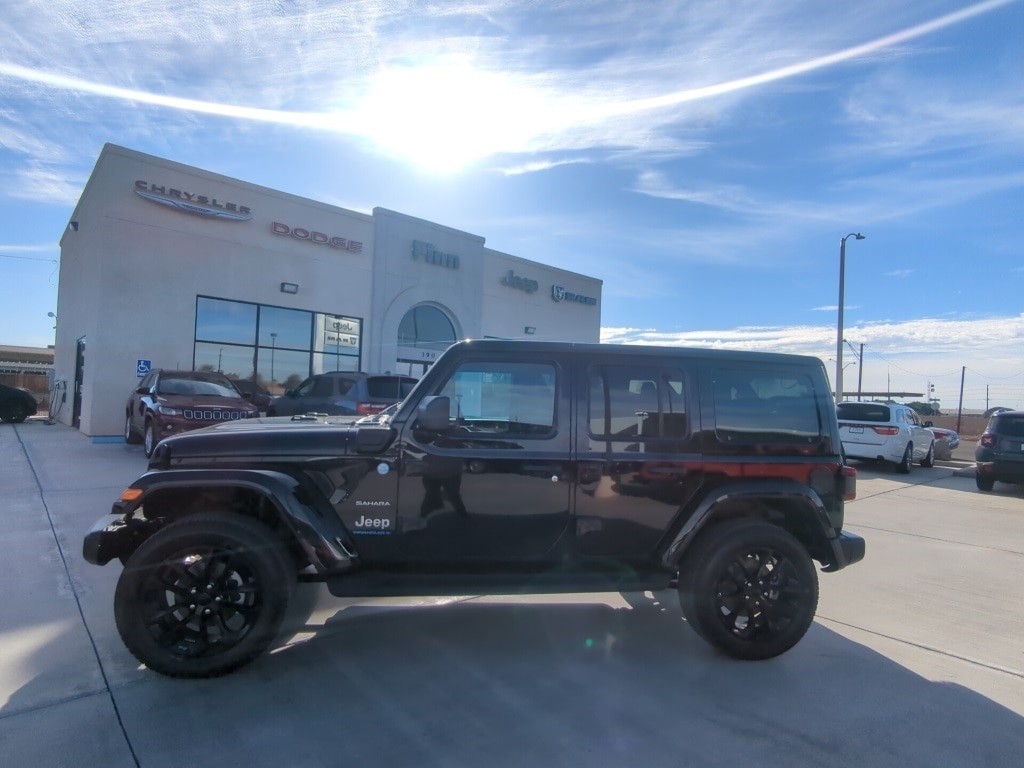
(142, 367)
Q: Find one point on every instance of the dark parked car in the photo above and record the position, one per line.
(343, 393)
(253, 392)
(168, 402)
(598, 468)
(16, 404)
(949, 435)
(1000, 452)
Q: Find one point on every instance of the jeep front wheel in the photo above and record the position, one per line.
(203, 596)
(748, 588)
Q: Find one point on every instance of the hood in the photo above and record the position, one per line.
(272, 440)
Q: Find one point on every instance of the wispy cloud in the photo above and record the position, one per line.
(906, 353)
(290, 61)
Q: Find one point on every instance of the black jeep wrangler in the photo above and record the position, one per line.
(512, 467)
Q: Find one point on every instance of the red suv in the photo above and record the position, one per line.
(168, 402)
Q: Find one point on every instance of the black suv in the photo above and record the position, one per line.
(511, 468)
(1000, 451)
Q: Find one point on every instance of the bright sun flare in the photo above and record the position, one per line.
(444, 116)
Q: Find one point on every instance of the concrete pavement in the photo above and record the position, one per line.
(915, 659)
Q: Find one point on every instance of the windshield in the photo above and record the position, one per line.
(191, 387)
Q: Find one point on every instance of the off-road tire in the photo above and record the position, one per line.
(749, 588)
(204, 596)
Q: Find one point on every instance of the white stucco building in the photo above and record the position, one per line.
(168, 266)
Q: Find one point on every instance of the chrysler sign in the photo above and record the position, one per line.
(189, 202)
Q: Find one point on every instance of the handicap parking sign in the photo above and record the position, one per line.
(142, 367)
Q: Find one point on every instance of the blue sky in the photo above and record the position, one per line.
(704, 159)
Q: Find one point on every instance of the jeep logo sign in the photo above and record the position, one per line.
(372, 525)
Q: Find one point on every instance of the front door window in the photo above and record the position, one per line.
(495, 482)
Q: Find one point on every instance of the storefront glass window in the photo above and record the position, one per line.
(233, 361)
(228, 322)
(426, 327)
(278, 347)
(285, 328)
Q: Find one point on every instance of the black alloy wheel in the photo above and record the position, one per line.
(16, 414)
(204, 596)
(749, 588)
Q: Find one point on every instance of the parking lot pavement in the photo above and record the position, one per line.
(915, 658)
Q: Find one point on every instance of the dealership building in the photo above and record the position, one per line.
(168, 266)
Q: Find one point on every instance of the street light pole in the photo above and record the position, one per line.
(273, 348)
(839, 331)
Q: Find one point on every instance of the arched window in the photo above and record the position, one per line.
(424, 333)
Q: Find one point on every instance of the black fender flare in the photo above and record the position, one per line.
(708, 511)
(316, 528)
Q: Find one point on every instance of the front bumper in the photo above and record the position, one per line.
(111, 537)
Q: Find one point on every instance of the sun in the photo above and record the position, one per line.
(444, 116)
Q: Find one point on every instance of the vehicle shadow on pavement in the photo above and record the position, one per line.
(473, 683)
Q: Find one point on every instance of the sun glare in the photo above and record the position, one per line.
(444, 116)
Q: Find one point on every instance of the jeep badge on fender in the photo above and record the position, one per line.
(511, 467)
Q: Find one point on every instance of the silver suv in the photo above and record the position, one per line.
(885, 432)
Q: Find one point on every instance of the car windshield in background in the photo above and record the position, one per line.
(170, 386)
(396, 387)
(863, 412)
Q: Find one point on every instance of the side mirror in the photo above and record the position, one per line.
(289, 393)
(433, 414)
(142, 390)
(929, 423)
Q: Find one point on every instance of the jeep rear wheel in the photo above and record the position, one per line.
(749, 588)
(203, 596)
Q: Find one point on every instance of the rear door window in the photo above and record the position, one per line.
(758, 406)
(635, 406)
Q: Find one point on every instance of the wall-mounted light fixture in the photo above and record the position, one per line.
(289, 287)
(529, 330)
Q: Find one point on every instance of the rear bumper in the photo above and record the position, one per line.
(1006, 471)
(887, 451)
(847, 549)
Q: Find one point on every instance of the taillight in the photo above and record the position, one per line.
(368, 408)
(887, 430)
(988, 441)
(849, 475)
